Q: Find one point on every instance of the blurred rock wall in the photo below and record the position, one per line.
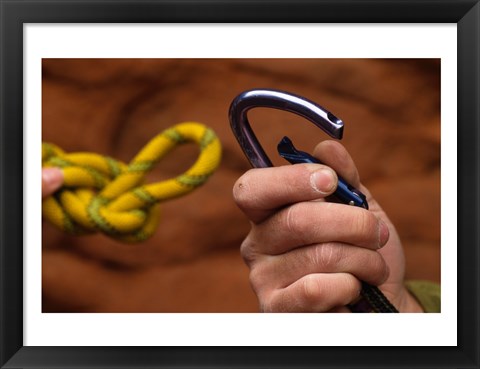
(391, 110)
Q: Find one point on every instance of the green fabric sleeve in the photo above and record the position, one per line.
(427, 294)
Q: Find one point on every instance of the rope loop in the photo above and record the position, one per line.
(101, 194)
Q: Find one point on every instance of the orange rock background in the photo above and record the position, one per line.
(391, 110)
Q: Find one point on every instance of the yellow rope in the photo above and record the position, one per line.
(106, 195)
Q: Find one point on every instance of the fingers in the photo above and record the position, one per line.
(313, 293)
(308, 223)
(306, 254)
(52, 179)
(260, 192)
(282, 270)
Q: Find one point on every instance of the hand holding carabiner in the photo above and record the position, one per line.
(309, 255)
(306, 254)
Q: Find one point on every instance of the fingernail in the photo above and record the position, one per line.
(384, 234)
(52, 177)
(323, 181)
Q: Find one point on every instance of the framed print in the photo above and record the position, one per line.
(121, 84)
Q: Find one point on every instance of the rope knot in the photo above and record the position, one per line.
(101, 194)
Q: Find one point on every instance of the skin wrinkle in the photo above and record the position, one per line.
(359, 224)
(323, 256)
(367, 223)
(247, 251)
(290, 223)
(317, 256)
(329, 254)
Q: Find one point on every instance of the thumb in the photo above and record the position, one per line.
(52, 179)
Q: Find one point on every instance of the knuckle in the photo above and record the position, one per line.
(247, 250)
(291, 220)
(327, 256)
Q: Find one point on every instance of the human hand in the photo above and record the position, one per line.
(52, 180)
(309, 255)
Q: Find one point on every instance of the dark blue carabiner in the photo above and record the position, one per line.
(307, 109)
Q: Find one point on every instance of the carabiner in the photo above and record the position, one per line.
(319, 116)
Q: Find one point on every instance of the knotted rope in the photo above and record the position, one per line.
(101, 194)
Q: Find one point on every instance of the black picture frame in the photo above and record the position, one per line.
(15, 13)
